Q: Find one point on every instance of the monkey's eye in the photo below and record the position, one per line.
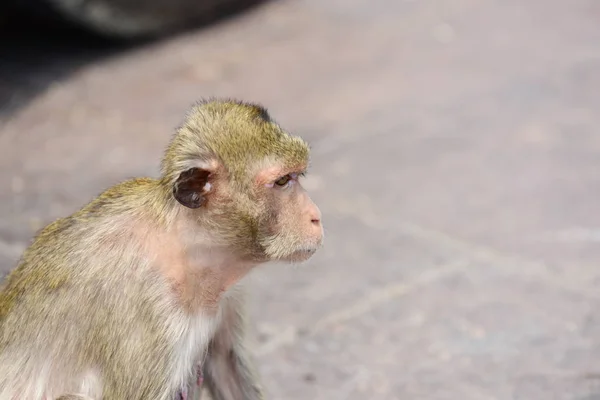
(283, 180)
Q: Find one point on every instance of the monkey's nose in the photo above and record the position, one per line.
(315, 216)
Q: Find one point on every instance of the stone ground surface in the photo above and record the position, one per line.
(456, 162)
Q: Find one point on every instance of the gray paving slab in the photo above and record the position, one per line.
(455, 161)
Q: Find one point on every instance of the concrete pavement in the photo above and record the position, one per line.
(456, 160)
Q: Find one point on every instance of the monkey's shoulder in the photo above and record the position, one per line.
(59, 240)
(62, 248)
(118, 199)
(123, 196)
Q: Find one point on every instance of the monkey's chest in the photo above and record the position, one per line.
(189, 350)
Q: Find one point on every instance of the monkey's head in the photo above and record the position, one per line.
(236, 173)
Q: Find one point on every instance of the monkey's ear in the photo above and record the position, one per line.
(191, 187)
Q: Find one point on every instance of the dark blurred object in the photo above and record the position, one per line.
(39, 49)
(44, 41)
(123, 19)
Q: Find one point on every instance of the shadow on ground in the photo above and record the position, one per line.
(38, 52)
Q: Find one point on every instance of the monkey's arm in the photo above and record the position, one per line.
(228, 370)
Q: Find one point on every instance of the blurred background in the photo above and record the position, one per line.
(456, 160)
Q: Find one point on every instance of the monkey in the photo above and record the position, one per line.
(139, 293)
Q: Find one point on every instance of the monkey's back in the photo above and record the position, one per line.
(88, 301)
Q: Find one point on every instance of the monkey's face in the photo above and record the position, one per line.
(268, 216)
(290, 229)
(246, 188)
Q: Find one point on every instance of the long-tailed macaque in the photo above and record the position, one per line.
(137, 294)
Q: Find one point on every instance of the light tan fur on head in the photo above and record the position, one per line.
(235, 133)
